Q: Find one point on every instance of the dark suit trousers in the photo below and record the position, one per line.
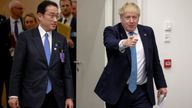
(138, 99)
(50, 101)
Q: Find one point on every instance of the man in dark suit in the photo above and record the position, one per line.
(41, 76)
(2, 55)
(2, 18)
(8, 40)
(70, 20)
(117, 85)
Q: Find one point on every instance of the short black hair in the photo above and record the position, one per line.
(42, 6)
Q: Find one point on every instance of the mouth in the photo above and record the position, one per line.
(131, 26)
(54, 24)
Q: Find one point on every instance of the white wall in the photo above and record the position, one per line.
(157, 12)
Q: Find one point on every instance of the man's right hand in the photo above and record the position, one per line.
(130, 42)
(14, 103)
(70, 43)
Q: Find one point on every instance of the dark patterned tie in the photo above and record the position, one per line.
(133, 77)
(16, 29)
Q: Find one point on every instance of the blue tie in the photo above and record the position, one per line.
(133, 77)
(48, 55)
(16, 29)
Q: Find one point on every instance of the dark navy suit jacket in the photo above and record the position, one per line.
(117, 71)
(30, 70)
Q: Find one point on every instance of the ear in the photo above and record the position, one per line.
(39, 16)
(121, 18)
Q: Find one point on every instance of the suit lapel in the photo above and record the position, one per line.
(144, 39)
(38, 44)
(54, 48)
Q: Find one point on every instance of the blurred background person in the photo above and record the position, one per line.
(30, 21)
(74, 8)
(70, 20)
(2, 18)
(2, 47)
(9, 30)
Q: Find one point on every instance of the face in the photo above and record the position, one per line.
(17, 11)
(29, 22)
(65, 7)
(74, 8)
(48, 20)
(129, 20)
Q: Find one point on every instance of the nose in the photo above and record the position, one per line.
(55, 19)
(131, 19)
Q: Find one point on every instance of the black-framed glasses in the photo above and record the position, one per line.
(52, 15)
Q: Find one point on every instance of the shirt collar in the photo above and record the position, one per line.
(135, 31)
(13, 20)
(42, 31)
(68, 18)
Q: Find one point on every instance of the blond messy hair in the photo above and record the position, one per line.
(129, 6)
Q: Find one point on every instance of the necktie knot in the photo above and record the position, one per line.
(65, 21)
(46, 35)
(16, 21)
(131, 33)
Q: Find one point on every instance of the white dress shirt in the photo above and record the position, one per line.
(42, 34)
(141, 72)
(19, 25)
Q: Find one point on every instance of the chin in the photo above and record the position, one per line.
(53, 28)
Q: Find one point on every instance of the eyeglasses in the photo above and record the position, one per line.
(52, 16)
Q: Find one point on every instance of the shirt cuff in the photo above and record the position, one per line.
(121, 46)
(13, 97)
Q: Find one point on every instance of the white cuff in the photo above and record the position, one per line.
(121, 46)
(13, 97)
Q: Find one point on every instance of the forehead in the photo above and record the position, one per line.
(131, 10)
(29, 18)
(16, 4)
(65, 2)
(51, 9)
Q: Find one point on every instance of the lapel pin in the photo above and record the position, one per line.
(145, 34)
(62, 56)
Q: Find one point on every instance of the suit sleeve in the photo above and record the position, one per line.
(158, 72)
(17, 67)
(68, 80)
(111, 40)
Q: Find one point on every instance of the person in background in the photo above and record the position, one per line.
(41, 76)
(69, 20)
(2, 55)
(74, 8)
(30, 21)
(2, 18)
(9, 30)
(133, 63)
